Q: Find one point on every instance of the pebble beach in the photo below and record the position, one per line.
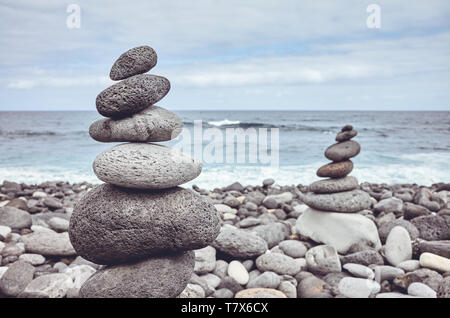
(259, 251)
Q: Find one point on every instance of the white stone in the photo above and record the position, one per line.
(340, 230)
(223, 208)
(301, 208)
(237, 271)
(360, 271)
(421, 290)
(59, 224)
(205, 260)
(358, 287)
(51, 286)
(398, 246)
(228, 216)
(284, 197)
(409, 265)
(4, 231)
(436, 262)
(79, 274)
(33, 259)
(39, 194)
(3, 269)
(39, 228)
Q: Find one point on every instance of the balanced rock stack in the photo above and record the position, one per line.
(336, 205)
(139, 223)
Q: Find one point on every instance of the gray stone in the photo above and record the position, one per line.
(421, 290)
(359, 270)
(268, 182)
(293, 248)
(334, 185)
(59, 224)
(229, 283)
(323, 259)
(366, 257)
(5, 231)
(81, 261)
(132, 95)
(411, 211)
(111, 224)
(255, 197)
(389, 205)
(60, 267)
(398, 246)
(221, 268)
(347, 201)
(248, 264)
(265, 280)
(433, 227)
(48, 286)
(393, 295)
(423, 197)
(358, 287)
(205, 260)
(211, 280)
(423, 275)
(386, 228)
(333, 279)
(409, 266)
(340, 230)
(441, 248)
(223, 293)
(313, 287)
(48, 243)
(16, 278)
(145, 166)
(284, 197)
(135, 61)
(52, 203)
(288, 289)
(137, 280)
(343, 150)
(346, 135)
(14, 218)
(272, 233)
(249, 222)
(13, 249)
(33, 259)
(239, 243)
(278, 263)
(79, 274)
(385, 272)
(195, 279)
(192, 291)
(443, 290)
(149, 125)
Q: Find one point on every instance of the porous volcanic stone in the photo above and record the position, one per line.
(132, 95)
(158, 277)
(145, 166)
(135, 61)
(111, 224)
(151, 124)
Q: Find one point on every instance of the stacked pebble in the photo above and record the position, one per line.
(139, 223)
(336, 204)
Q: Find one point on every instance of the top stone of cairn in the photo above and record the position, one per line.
(135, 61)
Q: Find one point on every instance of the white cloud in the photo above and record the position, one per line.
(21, 84)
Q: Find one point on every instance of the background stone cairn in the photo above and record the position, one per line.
(139, 223)
(336, 205)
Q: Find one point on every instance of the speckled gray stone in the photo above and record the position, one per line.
(343, 150)
(278, 263)
(135, 61)
(159, 277)
(347, 201)
(151, 124)
(334, 185)
(111, 224)
(239, 243)
(132, 95)
(16, 278)
(145, 166)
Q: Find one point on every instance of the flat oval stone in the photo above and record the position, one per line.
(347, 128)
(335, 169)
(334, 185)
(111, 224)
(346, 135)
(348, 201)
(151, 124)
(145, 166)
(343, 150)
(132, 95)
(157, 277)
(135, 61)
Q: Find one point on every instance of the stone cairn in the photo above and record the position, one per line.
(139, 223)
(336, 205)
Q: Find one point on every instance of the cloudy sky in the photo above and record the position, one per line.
(232, 55)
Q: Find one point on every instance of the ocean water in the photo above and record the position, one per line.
(396, 147)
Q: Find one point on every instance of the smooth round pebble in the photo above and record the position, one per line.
(237, 271)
